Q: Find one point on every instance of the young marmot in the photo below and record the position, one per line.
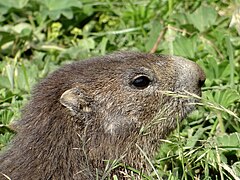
(88, 115)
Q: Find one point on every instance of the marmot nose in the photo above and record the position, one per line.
(195, 72)
(201, 75)
(202, 78)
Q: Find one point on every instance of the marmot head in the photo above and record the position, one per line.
(127, 91)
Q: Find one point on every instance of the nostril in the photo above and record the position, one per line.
(201, 82)
(202, 78)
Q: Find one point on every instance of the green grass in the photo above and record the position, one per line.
(38, 36)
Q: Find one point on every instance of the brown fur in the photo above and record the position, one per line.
(102, 116)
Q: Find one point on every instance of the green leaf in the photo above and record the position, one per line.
(73, 53)
(226, 97)
(236, 168)
(185, 47)
(68, 13)
(55, 14)
(231, 59)
(4, 82)
(103, 45)
(55, 8)
(10, 74)
(229, 97)
(87, 43)
(6, 37)
(215, 71)
(230, 141)
(203, 18)
(53, 5)
(3, 9)
(193, 140)
(14, 3)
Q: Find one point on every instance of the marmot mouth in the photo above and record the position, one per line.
(188, 102)
(188, 107)
(182, 103)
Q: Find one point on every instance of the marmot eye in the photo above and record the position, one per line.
(141, 82)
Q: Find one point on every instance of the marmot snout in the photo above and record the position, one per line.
(191, 76)
(87, 114)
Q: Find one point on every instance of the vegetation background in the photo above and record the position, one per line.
(38, 36)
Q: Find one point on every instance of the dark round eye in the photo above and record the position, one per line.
(141, 82)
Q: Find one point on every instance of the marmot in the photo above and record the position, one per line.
(88, 115)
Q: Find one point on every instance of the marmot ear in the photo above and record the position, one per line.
(75, 101)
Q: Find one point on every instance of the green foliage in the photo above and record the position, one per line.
(203, 18)
(37, 36)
